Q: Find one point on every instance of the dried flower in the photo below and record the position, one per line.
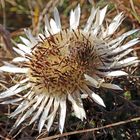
(64, 64)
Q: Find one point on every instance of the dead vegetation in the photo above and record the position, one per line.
(122, 106)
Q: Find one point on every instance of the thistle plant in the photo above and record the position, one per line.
(66, 65)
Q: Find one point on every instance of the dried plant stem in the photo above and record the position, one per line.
(3, 11)
(7, 39)
(93, 129)
(132, 5)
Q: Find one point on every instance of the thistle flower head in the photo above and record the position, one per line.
(61, 65)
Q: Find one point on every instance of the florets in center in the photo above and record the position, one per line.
(59, 62)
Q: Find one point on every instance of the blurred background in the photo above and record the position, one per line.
(15, 15)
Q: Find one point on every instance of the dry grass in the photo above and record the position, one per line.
(16, 15)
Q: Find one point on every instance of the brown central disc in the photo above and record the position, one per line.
(58, 64)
